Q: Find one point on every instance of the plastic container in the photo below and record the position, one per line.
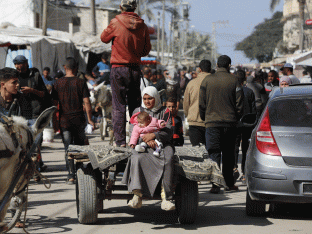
(48, 135)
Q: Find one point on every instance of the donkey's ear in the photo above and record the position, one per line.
(43, 120)
(161, 92)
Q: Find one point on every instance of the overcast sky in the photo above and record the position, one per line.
(242, 15)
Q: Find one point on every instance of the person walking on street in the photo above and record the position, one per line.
(306, 77)
(287, 70)
(221, 106)
(36, 93)
(71, 93)
(244, 133)
(173, 87)
(147, 74)
(183, 80)
(197, 128)
(260, 94)
(130, 41)
(159, 85)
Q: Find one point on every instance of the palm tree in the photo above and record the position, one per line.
(274, 3)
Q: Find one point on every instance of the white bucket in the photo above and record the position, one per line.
(48, 135)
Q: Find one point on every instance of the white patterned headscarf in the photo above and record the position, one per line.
(129, 4)
(152, 91)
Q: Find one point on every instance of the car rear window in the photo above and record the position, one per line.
(291, 112)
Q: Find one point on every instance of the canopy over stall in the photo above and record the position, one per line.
(41, 51)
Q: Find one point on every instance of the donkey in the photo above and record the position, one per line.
(16, 139)
(103, 98)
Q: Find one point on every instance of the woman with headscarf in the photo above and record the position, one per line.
(144, 171)
(285, 81)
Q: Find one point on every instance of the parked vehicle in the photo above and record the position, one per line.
(279, 158)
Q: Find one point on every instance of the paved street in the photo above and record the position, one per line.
(54, 210)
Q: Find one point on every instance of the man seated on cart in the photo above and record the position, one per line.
(144, 171)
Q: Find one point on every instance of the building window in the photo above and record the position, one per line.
(76, 21)
(37, 23)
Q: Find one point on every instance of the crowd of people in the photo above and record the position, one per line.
(213, 103)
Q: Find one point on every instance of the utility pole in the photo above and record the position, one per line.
(138, 7)
(186, 22)
(93, 20)
(301, 20)
(176, 35)
(158, 35)
(163, 33)
(214, 44)
(45, 17)
(214, 37)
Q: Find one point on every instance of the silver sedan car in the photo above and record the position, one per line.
(279, 158)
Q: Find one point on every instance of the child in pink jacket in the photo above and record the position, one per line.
(145, 124)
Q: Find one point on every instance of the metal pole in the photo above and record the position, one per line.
(44, 17)
(158, 34)
(194, 46)
(163, 33)
(93, 21)
(301, 20)
(138, 7)
(214, 43)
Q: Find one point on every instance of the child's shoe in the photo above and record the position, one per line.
(157, 152)
(141, 147)
(158, 148)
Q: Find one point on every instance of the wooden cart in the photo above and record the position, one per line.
(96, 168)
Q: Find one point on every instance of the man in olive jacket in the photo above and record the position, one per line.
(221, 106)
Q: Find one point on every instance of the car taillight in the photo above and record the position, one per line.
(265, 141)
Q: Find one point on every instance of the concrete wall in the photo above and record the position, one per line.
(29, 13)
(60, 18)
(19, 12)
(291, 26)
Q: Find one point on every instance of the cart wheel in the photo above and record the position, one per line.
(254, 208)
(187, 201)
(86, 196)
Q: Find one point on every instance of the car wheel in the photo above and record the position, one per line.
(254, 208)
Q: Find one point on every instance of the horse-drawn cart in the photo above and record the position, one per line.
(96, 168)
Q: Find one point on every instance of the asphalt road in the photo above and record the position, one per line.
(54, 210)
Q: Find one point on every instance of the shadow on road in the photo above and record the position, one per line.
(207, 216)
(42, 224)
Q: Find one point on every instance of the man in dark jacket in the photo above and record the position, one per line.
(32, 85)
(221, 106)
(244, 133)
(260, 94)
(130, 41)
(35, 92)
